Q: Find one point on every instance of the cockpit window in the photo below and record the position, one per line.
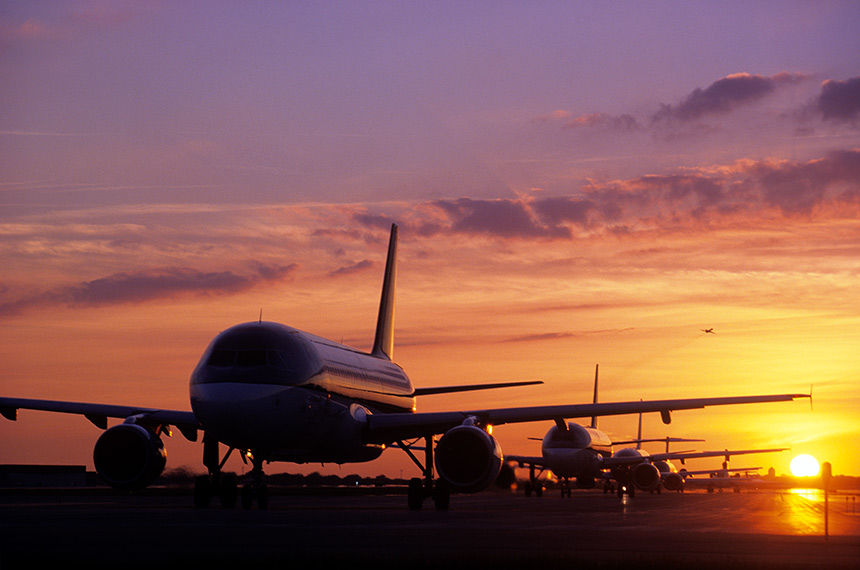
(246, 358)
(277, 359)
(222, 358)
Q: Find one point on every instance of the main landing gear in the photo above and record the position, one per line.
(225, 486)
(420, 489)
(533, 485)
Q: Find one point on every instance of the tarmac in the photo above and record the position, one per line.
(159, 528)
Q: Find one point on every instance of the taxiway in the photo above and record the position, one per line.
(160, 529)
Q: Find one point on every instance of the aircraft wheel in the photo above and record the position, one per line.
(263, 497)
(228, 491)
(415, 496)
(202, 492)
(528, 488)
(442, 495)
(539, 490)
(247, 496)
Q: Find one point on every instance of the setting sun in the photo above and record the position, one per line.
(804, 466)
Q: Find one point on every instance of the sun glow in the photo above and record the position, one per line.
(804, 466)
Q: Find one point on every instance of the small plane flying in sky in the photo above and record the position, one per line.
(275, 393)
(709, 331)
(585, 454)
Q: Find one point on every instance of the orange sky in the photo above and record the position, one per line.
(574, 186)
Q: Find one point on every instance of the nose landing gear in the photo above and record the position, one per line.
(256, 489)
(225, 486)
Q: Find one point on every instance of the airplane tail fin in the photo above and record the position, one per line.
(383, 341)
(594, 418)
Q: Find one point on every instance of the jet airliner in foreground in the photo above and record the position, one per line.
(276, 393)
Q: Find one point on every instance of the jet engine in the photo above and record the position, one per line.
(646, 477)
(129, 456)
(673, 481)
(468, 458)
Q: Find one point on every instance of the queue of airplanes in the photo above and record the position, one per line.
(275, 393)
(584, 454)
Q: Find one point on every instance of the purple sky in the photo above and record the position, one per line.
(614, 176)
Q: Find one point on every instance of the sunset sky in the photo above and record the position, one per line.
(576, 183)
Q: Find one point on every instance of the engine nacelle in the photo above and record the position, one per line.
(673, 481)
(129, 456)
(646, 477)
(468, 459)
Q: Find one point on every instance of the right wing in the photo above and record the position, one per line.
(185, 422)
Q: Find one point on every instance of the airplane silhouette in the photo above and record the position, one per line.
(710, 330)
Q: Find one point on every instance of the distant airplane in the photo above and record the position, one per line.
(710, 330)
(719, 479)
(275, 393)
(585, 455)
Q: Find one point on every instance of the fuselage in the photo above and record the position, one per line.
(575, 452)
(293, 396)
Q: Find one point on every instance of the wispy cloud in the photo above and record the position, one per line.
(724, 96)
(363, 265)
(148, 285)
(720, 98)
(507, 218)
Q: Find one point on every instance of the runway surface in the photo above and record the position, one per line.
(160, 529)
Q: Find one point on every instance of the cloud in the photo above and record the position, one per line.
(802, 187)
(503, 217)
(840, 100)
(743, 193)
(622, 123)
(719, 98)
(724, 95)
(352, 269)
(146, 286)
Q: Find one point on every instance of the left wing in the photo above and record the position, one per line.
(185, 422)
(384, 428)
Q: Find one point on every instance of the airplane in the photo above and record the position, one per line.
(585, 454)
(275, 393)
(719, 479)
(709, 331)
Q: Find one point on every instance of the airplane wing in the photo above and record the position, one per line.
(683, 456)
(384, 428)
(685, 473)
(98, 414)
(471, 387)
(523, 460)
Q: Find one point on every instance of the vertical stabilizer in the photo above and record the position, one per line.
(383, 341)
(594, 418)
